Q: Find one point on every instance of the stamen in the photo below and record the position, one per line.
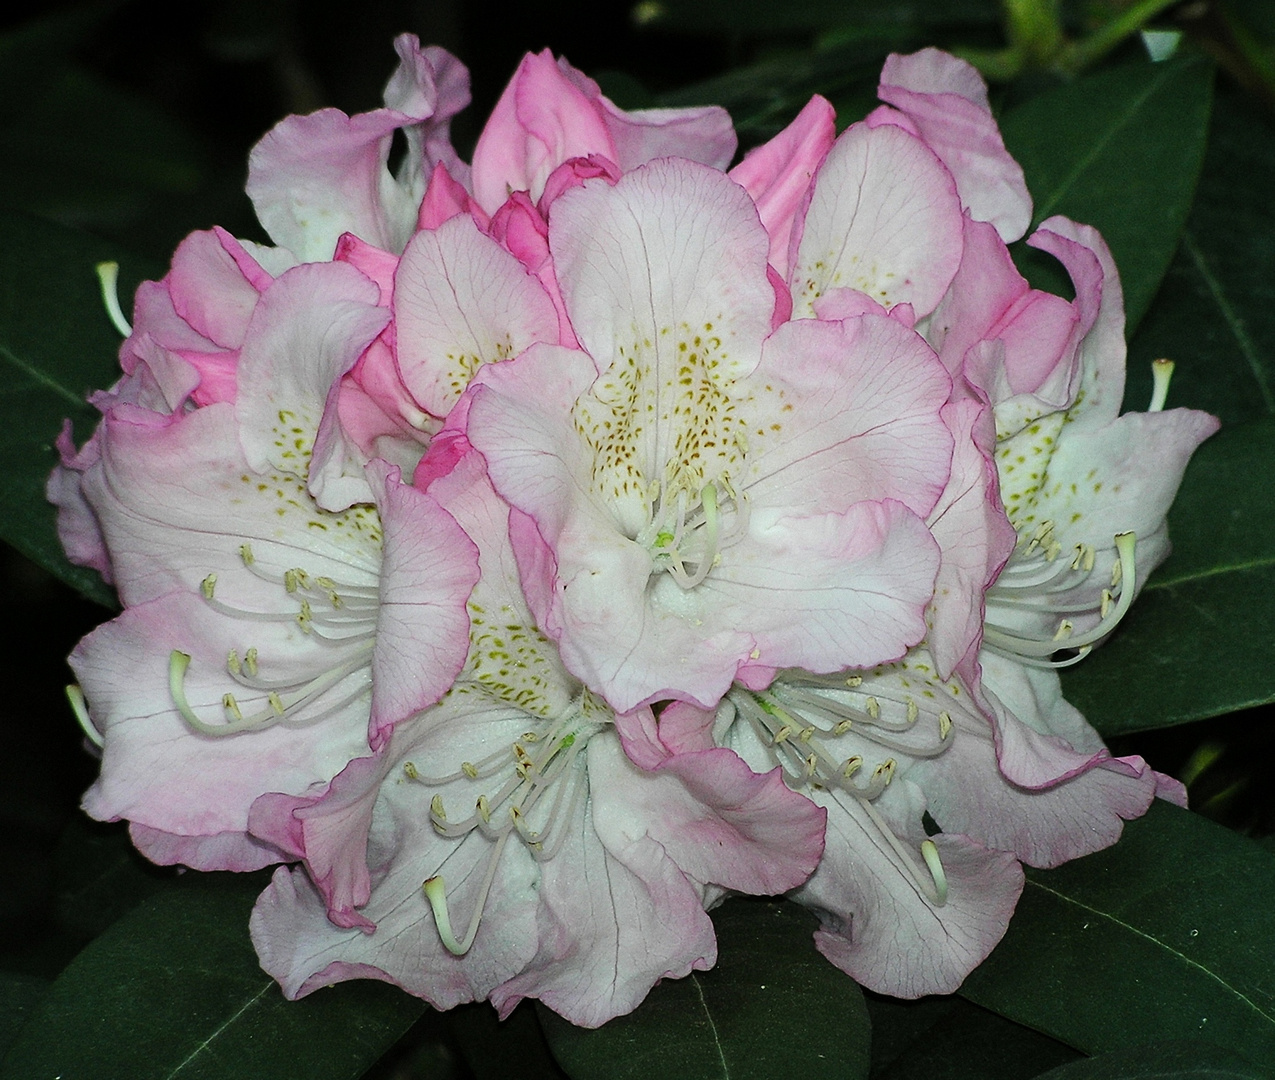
(1161, 373)
(933, 884)
(108, 276)
(1039, 652)
(930, 853)
(709, 557)
(307, 692)
(945, 725)
(80, 707)
(436, 893)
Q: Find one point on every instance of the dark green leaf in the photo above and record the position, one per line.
(1197, 641)
(1166, 1061)
(20, 997)
(1215, 315)
(973, 1044)
(768, 16)
(1170, 934)
(173, 989)
(1119, 150)
(56, 345)
(734, 1022)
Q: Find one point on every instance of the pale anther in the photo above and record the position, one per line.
(108, 274)
(208, 586)
(1161, 374)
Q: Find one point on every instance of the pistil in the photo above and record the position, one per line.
(684, 530)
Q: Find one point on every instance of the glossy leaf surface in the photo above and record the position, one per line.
(1167, 935)
(1119, 150)
(173, 989)
(56, 346)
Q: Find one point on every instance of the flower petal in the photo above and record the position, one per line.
(461, 301)
(778, 173)
(946, 100)
(884, 218)
(312, 178)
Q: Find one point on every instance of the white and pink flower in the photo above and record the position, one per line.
(749, 515)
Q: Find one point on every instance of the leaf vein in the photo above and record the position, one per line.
(1233, 321)
(1046, 207)
(717, 1039)
(40, 377)
(1213, 571)
(208, 1041)
(1156, 941)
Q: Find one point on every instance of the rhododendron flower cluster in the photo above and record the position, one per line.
(527, 554)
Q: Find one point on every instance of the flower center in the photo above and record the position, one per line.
(802, 718)
(664, 429)
(684, 533)
(1036, 581)
(524, 788)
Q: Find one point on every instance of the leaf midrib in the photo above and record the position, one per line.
(1231, 318)
(266, 985)
(1046, 206)
(1263, 563)
(38, 376)
(1155, 941)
